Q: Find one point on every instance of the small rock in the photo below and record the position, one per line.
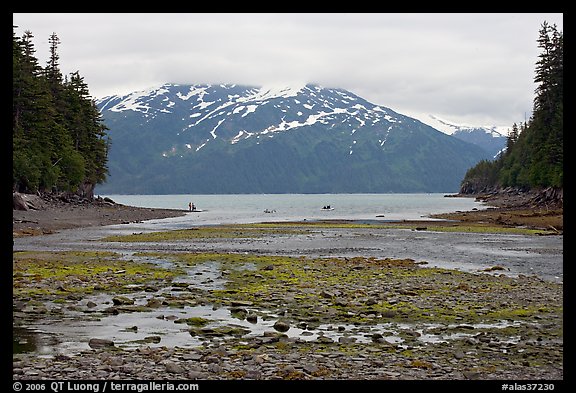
(192, 356)
(310, 368)
(174, 368)
(238, 303)
(196, 375)
(471, 374)
(122, 300)
(253, 374)
(115, 362)
(154, 303)
(214, 368)
(97, 343)
(377, 338)
(252, 318)
(282, 326)
(326, 294)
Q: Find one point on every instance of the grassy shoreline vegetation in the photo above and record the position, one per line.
(260, 230)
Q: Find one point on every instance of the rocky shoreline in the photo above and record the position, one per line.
(48, 214)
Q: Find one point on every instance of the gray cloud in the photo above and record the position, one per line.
(474, 69)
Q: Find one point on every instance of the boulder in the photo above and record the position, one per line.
(282, 326)
(18, 202)
(26, 201)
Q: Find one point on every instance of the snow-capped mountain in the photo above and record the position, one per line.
(490, 138)
(245, 139)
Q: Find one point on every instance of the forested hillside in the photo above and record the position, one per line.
(59, 141)
(534, 154)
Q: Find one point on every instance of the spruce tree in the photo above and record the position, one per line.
(534, 155)
(59, 141)
(32, 121)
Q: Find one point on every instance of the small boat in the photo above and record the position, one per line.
(327, 208)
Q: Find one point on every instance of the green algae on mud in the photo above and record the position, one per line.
(370, 290)
(61, 273)
(260, 230)
(498, 322)
(429, 225)
(352, 290)
(239, 231)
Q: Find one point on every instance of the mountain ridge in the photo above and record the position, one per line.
(181, 138)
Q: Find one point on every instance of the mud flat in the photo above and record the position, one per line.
(290, 301)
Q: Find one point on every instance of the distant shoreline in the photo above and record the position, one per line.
(51, 214)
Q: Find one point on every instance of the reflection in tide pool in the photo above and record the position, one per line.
(166, 327)
(154, 321)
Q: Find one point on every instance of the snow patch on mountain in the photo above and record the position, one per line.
(450, 128)
(275, 91)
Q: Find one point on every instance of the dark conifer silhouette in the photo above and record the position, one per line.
(534, 155)
(59, 143)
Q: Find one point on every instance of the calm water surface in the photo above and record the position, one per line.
(245, 208)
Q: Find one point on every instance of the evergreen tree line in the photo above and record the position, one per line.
(533, 158)
(59, 140)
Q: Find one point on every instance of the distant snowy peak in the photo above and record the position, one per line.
(450, 128)
(492, 139)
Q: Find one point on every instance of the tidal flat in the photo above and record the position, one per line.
(255, 302)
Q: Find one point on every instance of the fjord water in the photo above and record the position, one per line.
(246, 208)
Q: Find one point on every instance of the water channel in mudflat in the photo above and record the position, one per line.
(69, 327)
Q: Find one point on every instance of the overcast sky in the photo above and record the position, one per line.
(471, 69)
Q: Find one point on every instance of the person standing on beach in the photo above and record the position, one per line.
(190, 206)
